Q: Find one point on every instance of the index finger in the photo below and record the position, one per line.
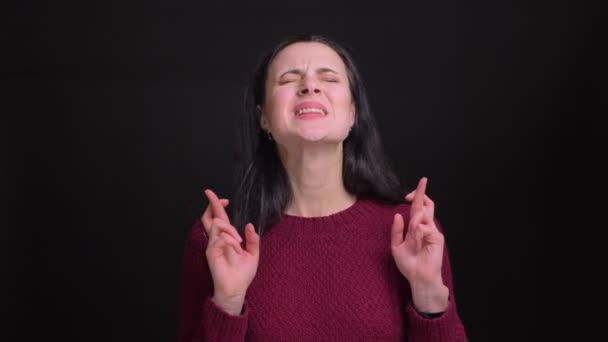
(207, 217)
(216, 206)
(418, 201)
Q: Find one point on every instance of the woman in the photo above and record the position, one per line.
(337, 261)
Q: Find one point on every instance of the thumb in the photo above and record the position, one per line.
(253, 240)
(397, 230)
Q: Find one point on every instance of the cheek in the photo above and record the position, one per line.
(341, 99)
(278, 101)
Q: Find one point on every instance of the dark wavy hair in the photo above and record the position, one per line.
(262, 188)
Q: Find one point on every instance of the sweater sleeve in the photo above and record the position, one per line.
(448, 326)
(200, 319)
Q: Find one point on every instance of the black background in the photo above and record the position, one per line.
(119, 114)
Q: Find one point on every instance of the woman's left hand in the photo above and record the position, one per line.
(419, 254)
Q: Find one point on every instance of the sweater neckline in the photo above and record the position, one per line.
(339, 222)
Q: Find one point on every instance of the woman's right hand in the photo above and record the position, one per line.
(232, 267)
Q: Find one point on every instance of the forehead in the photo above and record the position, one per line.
(306, 54)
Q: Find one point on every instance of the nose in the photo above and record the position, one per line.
(309, 87)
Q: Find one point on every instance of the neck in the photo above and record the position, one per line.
(315, 176)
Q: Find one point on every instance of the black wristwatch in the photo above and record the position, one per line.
(430, 315)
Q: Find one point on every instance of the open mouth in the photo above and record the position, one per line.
(310, 111)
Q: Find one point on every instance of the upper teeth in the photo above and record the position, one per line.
(309, 110)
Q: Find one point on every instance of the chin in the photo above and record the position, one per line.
(321, 136)
(313, 135)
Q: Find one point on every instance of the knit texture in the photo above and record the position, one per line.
(330, 278)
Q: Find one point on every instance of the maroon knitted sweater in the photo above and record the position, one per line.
(330, 278)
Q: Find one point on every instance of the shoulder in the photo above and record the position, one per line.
(381, 209)
(389, 210)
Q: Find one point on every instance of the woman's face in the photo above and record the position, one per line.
(308, 96)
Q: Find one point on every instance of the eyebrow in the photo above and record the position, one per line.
(301, 72)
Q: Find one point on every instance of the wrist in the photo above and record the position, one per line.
(430, 298)
(232, 305)
(429, 315)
